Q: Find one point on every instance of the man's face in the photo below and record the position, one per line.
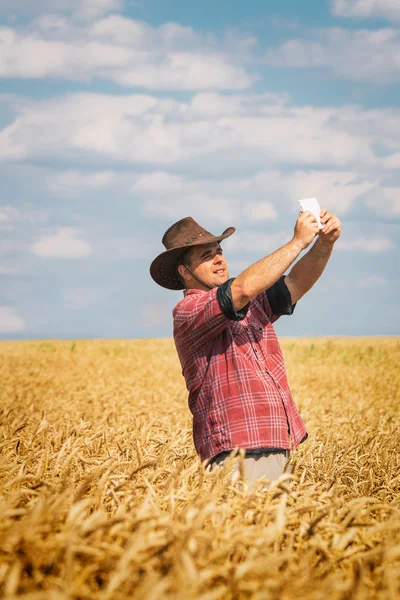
(208, 264)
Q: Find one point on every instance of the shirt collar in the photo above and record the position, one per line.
(187, 292)
(194, 291)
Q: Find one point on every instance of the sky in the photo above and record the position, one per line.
(119, 118)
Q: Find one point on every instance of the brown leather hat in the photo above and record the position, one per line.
(180, 236)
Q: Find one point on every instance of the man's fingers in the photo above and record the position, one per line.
(309, 215)
(335, 224)
(326, 217)
(328, 222)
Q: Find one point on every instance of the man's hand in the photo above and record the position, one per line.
(265, 272)
(332, 227)
(306, 229)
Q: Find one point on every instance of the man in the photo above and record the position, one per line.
(223, 331)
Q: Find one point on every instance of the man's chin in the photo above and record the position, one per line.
(222, 279)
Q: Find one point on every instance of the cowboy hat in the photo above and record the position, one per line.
(181, 235)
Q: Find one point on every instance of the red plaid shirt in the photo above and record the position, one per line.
(235, 374)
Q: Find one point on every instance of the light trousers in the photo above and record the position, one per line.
(268, 464)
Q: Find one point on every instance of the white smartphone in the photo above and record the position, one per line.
(313, 206)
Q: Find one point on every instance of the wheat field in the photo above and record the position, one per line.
(103, 497)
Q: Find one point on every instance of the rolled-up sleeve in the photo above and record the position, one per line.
(277, 300)
(202, 316)
(224, 297)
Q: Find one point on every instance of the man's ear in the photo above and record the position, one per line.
(183, 272)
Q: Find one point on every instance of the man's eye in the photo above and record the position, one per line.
(211, 254)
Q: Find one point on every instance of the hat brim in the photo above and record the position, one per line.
(162, 269)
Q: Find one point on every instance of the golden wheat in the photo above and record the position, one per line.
(103, 497)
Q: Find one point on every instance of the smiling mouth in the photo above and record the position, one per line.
(219, 272)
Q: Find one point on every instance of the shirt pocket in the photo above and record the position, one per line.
(266, 337)
(242, 340)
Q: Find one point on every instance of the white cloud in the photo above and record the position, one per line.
(227, 200)
(335, 190)
(200, 205)
(359, 55)
(73, 183)
(9, 214)
(170, 196)
(385, 201)
(214, 105)
(10, 320)
(364, 9)
(63, 244)
(392, 161)
(275, 141)
(260, 211)
(366, 244)
(158, 182)
(248, 199)
(128, 52)
(80, 9)
(144, 129)
(257, 241)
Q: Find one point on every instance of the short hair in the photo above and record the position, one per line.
(181, 261)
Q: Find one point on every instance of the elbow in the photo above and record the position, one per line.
(240, 295)
(295, 292)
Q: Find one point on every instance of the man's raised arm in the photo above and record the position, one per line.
(261, 275)
(311, 266)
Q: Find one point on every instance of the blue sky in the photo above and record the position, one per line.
(117, 119)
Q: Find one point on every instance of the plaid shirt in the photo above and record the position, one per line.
(234, 370)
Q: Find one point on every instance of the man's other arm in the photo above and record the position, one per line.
(264, 273)
(311, 266)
